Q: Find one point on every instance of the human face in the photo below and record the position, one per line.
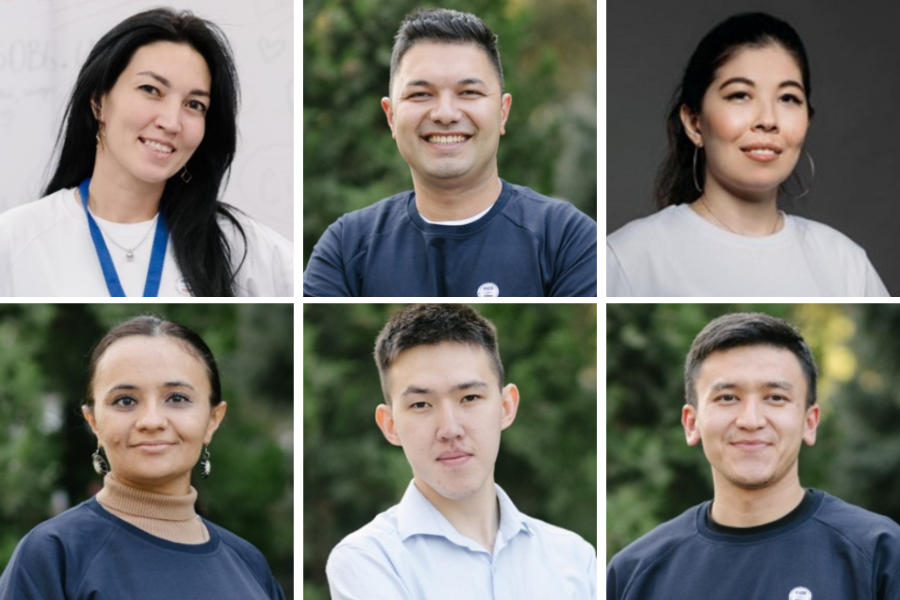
(154, 117)
(753, 122)
(152, 413)
(447, 411)
(447, 113)
(751, 416)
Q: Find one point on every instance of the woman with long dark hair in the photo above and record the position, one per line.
(132, 208)
(736, 128)
(154, 402)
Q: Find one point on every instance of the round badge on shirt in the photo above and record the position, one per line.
(800, 593)
(488, 290)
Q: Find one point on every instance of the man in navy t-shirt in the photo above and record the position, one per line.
(462, 231)
(750, 386)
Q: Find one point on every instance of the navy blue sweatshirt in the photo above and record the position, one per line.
(86, 553)
(526, 245)
(826, 549)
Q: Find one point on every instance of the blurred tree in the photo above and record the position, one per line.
(652, 475)
(548, 458)
(549, 55)
(45, 446)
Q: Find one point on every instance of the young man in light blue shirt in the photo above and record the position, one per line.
(455, 534)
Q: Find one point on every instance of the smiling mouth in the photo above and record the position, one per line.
(446, 139)
(157, 147)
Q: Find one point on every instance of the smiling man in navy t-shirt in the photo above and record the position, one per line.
(462, 231)
(750, 385)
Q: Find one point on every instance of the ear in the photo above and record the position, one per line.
(691, 124)
(215, 419)
(97, 109)
(510, 397)
(89, 417)
(811, 424)
(389, 113)
(505, 104)
(691, 428)
(384, 416)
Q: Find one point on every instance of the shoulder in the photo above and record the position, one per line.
(246, 551)
(657, 543)
(42, 214)
(825, 237)
(640, 231)
(867, 531)
(264, 259)
(562, 542)
(374, 543)
(383, 215)
(530, 208)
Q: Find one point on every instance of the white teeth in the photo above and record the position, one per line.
(158, 147)
(446, 139)
(762, 151)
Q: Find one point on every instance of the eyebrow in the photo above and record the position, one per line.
(772, 385)
(426, 83)
(168, 384)
(751, 83)
(467, 385)
(168, 84)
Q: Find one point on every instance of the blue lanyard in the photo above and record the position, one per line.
(157, 255)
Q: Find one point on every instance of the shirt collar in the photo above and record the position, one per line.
(416, 515)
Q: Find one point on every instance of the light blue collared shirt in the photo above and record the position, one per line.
(412, 552)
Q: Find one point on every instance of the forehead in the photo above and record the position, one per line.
(750, 365)
(444, 364)
(139, 356)
(179, 63)
(770, 62)
(440, 62)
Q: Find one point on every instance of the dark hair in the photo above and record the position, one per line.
(191, 210)
(431, 324)
(748, 329)
(156, 327)
(675, 181)
(446, 27)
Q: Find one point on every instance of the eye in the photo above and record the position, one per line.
(778, 398)
(792, 98)
(472, 93)
(417, 95)
(198, 106)
(179, 399)
(149, 89)
(124, 401)
(471, 398)
(418, 405)
(727, 398)
(738, 96)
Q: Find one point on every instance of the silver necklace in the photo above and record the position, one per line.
(129, 252)
(725, 225)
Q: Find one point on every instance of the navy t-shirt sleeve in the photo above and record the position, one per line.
(34, 570)
(576, 261)
(325, 274)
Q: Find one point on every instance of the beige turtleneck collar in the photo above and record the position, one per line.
(168, 517)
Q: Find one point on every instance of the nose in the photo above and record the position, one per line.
(150, 417)
(446, 111)
(751, 414)
(766, 118)
(450, 424)
(169, 116)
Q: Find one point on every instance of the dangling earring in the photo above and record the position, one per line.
(100, 463)
(694, 170)
(100, 137)
(186, 175)
(812, 177)
(205, 464)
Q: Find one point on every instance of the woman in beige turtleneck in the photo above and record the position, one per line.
(154, 402)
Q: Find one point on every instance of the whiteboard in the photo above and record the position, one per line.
(43, 44)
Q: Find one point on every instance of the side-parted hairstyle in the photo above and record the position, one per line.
(446, 27)
(155, 327)
(738, 330)
(429, 325)
(191, 210)
(675, 181)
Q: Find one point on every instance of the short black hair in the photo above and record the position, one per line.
(429, 325)
(737, 330)
(446, 27)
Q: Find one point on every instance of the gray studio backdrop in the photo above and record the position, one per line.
(854, 53)
(43, 44)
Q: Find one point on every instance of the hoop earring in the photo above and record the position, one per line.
(205, 464)
(101, 465)
(694, 170)
(812, 169)
(186, 175)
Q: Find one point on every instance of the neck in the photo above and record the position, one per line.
(477, 516)
(178, 486)
(115, 195)
(738, 507)
(452, 202)
(753, 215)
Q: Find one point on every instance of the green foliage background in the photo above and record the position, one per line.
(549, 54)
(45, 445)
(548, 457)
(653, 476)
